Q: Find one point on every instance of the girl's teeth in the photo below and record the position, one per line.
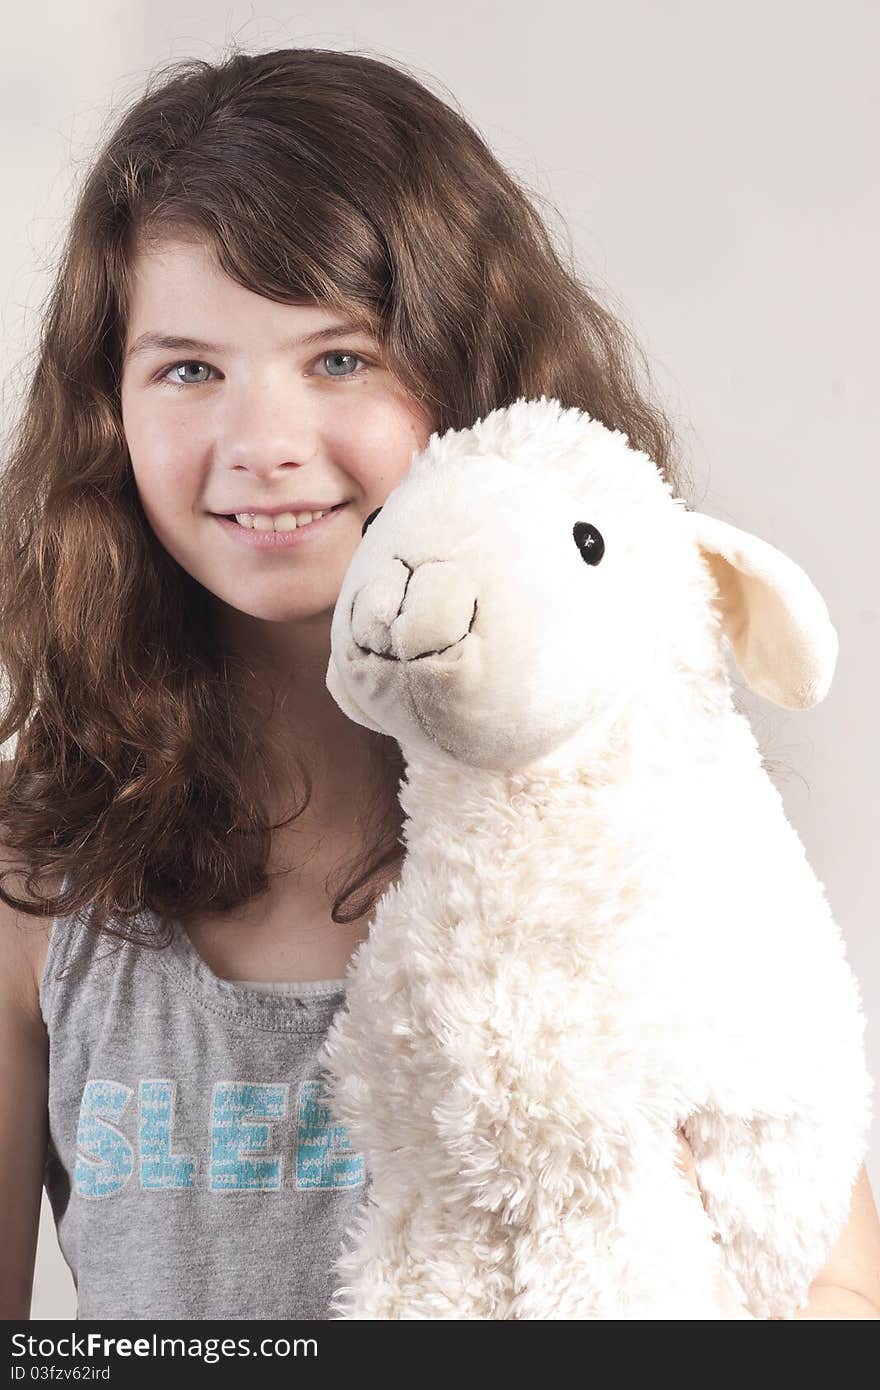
(285, 521)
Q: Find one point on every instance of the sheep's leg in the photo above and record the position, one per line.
(773, 1187)
(645, 1251)
(418, 1260)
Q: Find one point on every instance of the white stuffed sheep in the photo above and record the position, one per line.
(605, 926)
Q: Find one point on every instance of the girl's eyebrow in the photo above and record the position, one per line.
(152, 341)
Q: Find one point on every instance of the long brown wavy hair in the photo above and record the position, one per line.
(317, 176)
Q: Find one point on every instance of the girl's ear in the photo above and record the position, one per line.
(344, 701)
(773, 615)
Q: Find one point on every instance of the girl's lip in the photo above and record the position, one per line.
(279, 540)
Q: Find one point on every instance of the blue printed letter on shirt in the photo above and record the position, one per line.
(236, 1135)
(324, 1156)
(106, 1164)
(159, 1166)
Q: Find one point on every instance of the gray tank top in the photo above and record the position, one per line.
(193, 1167)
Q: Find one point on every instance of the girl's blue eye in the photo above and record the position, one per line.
(176, 367)
(335, 355)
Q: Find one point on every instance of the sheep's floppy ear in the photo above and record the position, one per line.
(773, 615)
(344, 701)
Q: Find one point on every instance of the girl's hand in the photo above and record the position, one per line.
(729, 1305)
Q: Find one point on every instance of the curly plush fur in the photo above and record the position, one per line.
(605, 926)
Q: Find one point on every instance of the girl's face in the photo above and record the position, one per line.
(244, 417)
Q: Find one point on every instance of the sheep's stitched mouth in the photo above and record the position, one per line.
(389, 656)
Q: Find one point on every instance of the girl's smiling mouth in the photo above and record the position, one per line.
(270, 539)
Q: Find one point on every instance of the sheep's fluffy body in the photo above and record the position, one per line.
(617, 936)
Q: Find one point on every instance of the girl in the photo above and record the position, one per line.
(282, 273)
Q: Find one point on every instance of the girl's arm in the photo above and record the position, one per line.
(24, 1098)
(849, 1285)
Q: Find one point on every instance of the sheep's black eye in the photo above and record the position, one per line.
(589, 542)
(371, 517)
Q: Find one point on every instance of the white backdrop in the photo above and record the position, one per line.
(716, 167)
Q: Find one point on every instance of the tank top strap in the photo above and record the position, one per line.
(72, 949)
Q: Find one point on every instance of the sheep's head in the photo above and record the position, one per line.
(530, 579)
